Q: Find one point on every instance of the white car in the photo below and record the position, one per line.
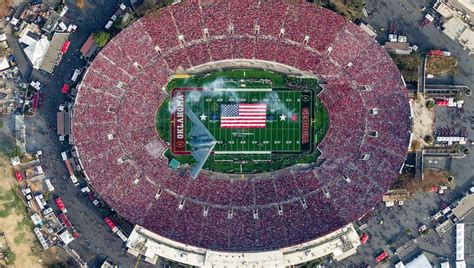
(63, 12)
(61, 107)
(75, 75)
(63, 26)
(72, 28)
(109, 24)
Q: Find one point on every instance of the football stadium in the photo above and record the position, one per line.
(242, 133)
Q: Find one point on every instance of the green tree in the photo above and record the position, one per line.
(101, 38)
(430, 104)
(9, 256)
(429, 139)
(15, 151)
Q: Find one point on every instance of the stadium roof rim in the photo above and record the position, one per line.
(331, 243)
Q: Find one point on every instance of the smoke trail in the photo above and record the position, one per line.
(276, 105)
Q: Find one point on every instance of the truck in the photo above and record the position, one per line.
(65, 89)
(115, 229)
(18, 176)
(75, 75)
(427, 19)
(382, 256)
(65, 220)
(437, 52)
(60, 204)
(49, 185)
(111, 224)
(364, 238)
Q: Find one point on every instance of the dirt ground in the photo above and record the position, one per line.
(440, 65)
(423, 122)
(18, 235)
(4, 7)
(432, 177)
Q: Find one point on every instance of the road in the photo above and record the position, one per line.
(96, 240)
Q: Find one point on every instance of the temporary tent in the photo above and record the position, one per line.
(36, 51)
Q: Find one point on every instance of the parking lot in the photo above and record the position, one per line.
(400, 223)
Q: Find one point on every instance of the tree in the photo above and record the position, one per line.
(430, 104)
(101, 38)
(15, 151)
(9, 256)
(465, 150)
(429, 139)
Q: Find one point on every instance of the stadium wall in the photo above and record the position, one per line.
(340, 244)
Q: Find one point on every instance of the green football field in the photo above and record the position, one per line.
(245, 150)
(283, 128)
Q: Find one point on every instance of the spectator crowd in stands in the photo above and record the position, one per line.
(122, 154)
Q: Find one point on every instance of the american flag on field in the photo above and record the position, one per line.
(243, 115)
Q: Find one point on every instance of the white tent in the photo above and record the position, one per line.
(35, 50)
(445, 264)
(460, 241)
(419, 262)
(399, 265)
(4, 64)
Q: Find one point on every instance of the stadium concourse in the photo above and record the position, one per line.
(362, 153)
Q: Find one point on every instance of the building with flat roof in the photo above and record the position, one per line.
(401, 48)
(340, 244)
(454, 27)
(457, 16)
(465, 6)
(54, 53)
(466, 40)
(445, 11)
(63, 123)
(89, 47)
(51, 23)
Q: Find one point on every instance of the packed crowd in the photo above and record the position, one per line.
(114, 125)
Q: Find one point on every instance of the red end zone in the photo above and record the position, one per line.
(178, 122)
